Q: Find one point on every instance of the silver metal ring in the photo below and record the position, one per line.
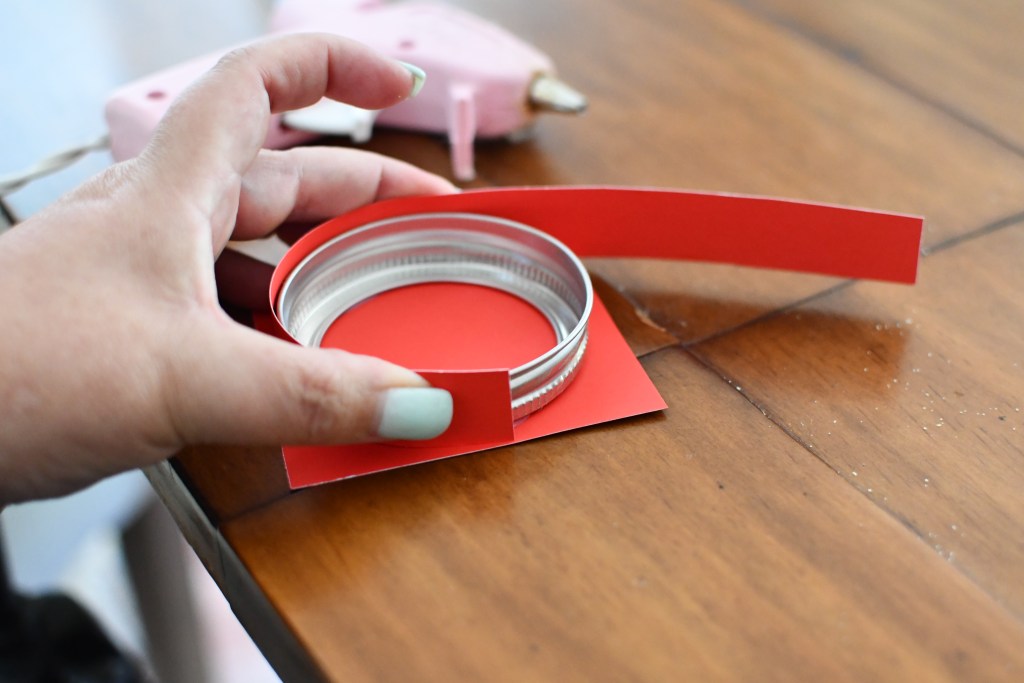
(450, 247)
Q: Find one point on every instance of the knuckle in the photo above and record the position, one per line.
(327, 406)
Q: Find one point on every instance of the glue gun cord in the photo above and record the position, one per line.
(52, 164)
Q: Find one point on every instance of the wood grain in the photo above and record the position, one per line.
(229, 480)
(834, 493)
(704, 95)
(965, 57)
(917, 402)
(695, 301)
(703, 544)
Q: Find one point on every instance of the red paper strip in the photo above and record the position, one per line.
(605, 221)
(673, 224)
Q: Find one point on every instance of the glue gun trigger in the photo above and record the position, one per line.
(462, 125)
(329, 117)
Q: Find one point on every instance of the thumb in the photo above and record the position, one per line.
(241, 386)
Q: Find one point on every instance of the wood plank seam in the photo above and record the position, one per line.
(918, 534)
(767, 315)
(640, 312)
(852, 56)
(987, 229)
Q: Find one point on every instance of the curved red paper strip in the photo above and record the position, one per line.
(623, 222)
(674, 224)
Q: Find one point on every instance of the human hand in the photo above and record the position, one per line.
(115, 353)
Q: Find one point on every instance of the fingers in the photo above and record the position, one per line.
(221, 122)
(232, 385)
(245, 387)
(310, 184)
(302, 186)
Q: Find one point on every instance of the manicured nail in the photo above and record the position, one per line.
(414, 413)
(419, 77)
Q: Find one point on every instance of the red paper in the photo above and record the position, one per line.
(586, 401)
(444, 325)
(423, 326)
(672, 224)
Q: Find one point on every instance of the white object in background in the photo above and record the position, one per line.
(328, 117)
(70, 545)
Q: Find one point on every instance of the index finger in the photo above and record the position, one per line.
(220, 123)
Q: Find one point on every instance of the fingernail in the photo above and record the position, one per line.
(419, 77)
(414, 413)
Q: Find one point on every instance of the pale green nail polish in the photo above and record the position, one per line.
(414, 413)
(419, 77)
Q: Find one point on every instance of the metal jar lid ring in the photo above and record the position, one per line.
(450, 247)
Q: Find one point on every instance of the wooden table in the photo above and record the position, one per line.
(835, 492)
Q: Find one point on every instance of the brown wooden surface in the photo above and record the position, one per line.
(835, 490)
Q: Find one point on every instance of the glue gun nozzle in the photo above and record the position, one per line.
(550, 94)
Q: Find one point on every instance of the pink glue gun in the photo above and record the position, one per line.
(482, 81)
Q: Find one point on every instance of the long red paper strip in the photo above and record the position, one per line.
(674, 224)
(617, 222)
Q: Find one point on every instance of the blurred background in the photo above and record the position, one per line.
(59, 60)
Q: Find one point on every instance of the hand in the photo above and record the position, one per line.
(114, 352)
